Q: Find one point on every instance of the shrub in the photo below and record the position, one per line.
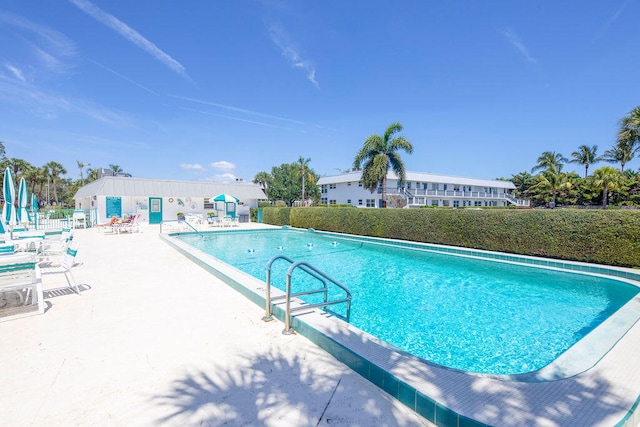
(599, 236)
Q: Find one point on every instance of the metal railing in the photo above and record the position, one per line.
(315, 273)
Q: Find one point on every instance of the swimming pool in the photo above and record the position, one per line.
(475, 315)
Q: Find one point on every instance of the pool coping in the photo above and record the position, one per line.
(433, 391)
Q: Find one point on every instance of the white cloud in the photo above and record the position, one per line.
(130, 34)
(513, 38)
(237, 109)
(611, 20)
(50, 47)
(281, 39)
(223, 165)
(193, 167)
(16, 72)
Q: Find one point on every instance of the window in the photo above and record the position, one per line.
(360, 184)
(456, 203)
(408, 186)
(349, 201)
(456, 188)
(464, 203)
(434, 203)
(360, 202)
(371, 203)
(348, 184)
(477, 203)
(208, 205)
(332, 202)
(323, 200)
(434, 186)
(332, 186)
(445, 187)
(324, 189)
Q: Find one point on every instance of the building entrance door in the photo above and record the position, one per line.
(155, 210)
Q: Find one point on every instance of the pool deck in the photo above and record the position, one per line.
(154, 339)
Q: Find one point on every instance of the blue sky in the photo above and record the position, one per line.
(224, 89)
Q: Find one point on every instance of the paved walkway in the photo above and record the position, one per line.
(156, 340)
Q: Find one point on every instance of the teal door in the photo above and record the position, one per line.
(155, 210)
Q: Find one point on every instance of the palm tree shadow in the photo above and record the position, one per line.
(252, 389)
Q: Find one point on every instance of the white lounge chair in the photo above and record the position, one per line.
(64, 266)
(18, 274)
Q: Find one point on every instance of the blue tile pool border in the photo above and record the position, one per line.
(425, 406)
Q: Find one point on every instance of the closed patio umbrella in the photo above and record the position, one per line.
(34, 209)
(8, 210)
(23, 200)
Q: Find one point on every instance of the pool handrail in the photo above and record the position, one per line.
(305, 266)
(312, 271)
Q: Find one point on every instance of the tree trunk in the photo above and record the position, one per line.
(384, 191)
(604, 196)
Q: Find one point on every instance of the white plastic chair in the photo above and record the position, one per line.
(64, 266)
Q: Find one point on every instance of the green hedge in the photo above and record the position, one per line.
(603, 237)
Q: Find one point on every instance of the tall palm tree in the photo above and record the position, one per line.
(630, 126)
(305, 172)
(607, 179)
(116, 169)
(263, 179)
(55, 169)
(585, 156)
(549, 160)
(623, 152)
(81, 166)
(378, 154)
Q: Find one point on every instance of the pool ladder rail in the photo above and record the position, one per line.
(317, 274)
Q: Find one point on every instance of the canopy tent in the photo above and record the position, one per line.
(8, 210)
(228, 201)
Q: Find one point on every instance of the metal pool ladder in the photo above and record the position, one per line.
(314, 272)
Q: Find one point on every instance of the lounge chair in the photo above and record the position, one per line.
(18, 274)
(64, 266)
(130, 226)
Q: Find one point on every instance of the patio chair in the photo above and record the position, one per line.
(64, 266)
(128, 227)
(18, 273)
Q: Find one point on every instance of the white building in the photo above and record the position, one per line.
(158, 200)
(420, 189)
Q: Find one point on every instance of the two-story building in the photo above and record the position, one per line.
(419, 189)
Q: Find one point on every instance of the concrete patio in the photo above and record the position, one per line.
(156, 340)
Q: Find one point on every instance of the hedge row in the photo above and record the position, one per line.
(603, 237)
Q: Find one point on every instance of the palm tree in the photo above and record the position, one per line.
(55, 169)
(607, 178)
(305, 172)
(116, 169)
(263, 179)
(378, 154)
(630, 126)
(623, 152)
(585, 156)
(552, 181)
(549, 160)
(81, 166)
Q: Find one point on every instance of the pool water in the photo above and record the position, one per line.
(469, 314)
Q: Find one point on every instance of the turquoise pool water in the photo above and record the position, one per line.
(468, 314)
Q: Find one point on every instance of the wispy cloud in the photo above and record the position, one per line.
(230, 117)
(611, 20)
(104, 67)
(130, 34)
(15, 71)
(281, 39)
(192, 167)
(515, 41)
(236, 109)
(50, 48)
(225, 177)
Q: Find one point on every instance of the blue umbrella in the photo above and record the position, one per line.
(34, 209)
(8, 210)
(23, 200)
